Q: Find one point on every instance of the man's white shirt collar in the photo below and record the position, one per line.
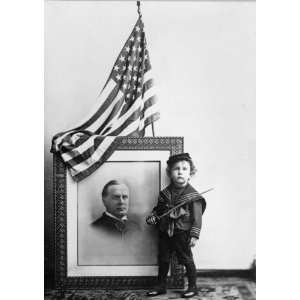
(114, 217)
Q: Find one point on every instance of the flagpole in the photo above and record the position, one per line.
(152, 125)
(138, 3)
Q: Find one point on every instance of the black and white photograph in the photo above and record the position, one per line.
(150, 149)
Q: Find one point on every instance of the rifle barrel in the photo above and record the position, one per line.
(181, 204)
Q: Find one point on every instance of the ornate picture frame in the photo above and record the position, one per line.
(66, 199)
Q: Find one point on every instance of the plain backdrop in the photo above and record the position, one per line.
(203, 59)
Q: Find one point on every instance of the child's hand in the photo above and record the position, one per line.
(193, 241)
(151, 220)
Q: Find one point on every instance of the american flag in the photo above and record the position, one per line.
(125, 107)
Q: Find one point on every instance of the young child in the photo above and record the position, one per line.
(180, 230)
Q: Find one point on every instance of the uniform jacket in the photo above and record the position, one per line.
(187, 218)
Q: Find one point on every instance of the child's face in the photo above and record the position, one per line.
(180, 173)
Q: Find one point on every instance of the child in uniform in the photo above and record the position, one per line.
(180, 230)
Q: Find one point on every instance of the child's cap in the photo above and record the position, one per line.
(178, 157)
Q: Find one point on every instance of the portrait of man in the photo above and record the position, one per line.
(114, 221)
(112, 205)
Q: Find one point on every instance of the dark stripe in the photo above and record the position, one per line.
(101, 109)
(134, 116)
(80, 157)
(149, 102)
(148, 84)
(189, 196)
(165, 197)
(167, 193)
(106, 155)
(113, 113)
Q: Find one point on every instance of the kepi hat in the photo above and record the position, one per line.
(178, 157)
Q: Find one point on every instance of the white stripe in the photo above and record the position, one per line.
(148, 75)
(149, 93)
(93, 127)
(116, 123)
(95, 156)
(80, 149)
(151, 110)
(130, 128)
(139, 124)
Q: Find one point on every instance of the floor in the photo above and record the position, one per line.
(232, 288)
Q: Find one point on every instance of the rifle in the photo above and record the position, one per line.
(179, 205)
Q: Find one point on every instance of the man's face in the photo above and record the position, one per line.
(180, 173)
(117, 200)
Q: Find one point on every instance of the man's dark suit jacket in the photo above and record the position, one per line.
(114, 226)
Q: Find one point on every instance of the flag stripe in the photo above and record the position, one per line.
(77, 176)
(147, 121)
(132, 127)
(127, 119)
(79, 150)
(137, 105)
(96, 155)
(151, 119)
(151, 110)
(149, 93)
(150, 102)
(112, 90)
(148, 84)
(96, 126)
(111, 115)
(148, 75)
(135, 116)
(87, 153)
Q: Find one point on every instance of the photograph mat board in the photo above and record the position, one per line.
(75, 268)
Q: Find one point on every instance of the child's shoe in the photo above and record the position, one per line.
(190, 292)
(157, 291)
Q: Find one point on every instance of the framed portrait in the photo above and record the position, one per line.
(88, 256)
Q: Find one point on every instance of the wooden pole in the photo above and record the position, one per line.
(153, 133)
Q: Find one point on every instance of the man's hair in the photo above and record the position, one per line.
(107, 185)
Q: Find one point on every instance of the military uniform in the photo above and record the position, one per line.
(177, 229)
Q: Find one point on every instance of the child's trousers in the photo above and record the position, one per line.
(179, 243)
